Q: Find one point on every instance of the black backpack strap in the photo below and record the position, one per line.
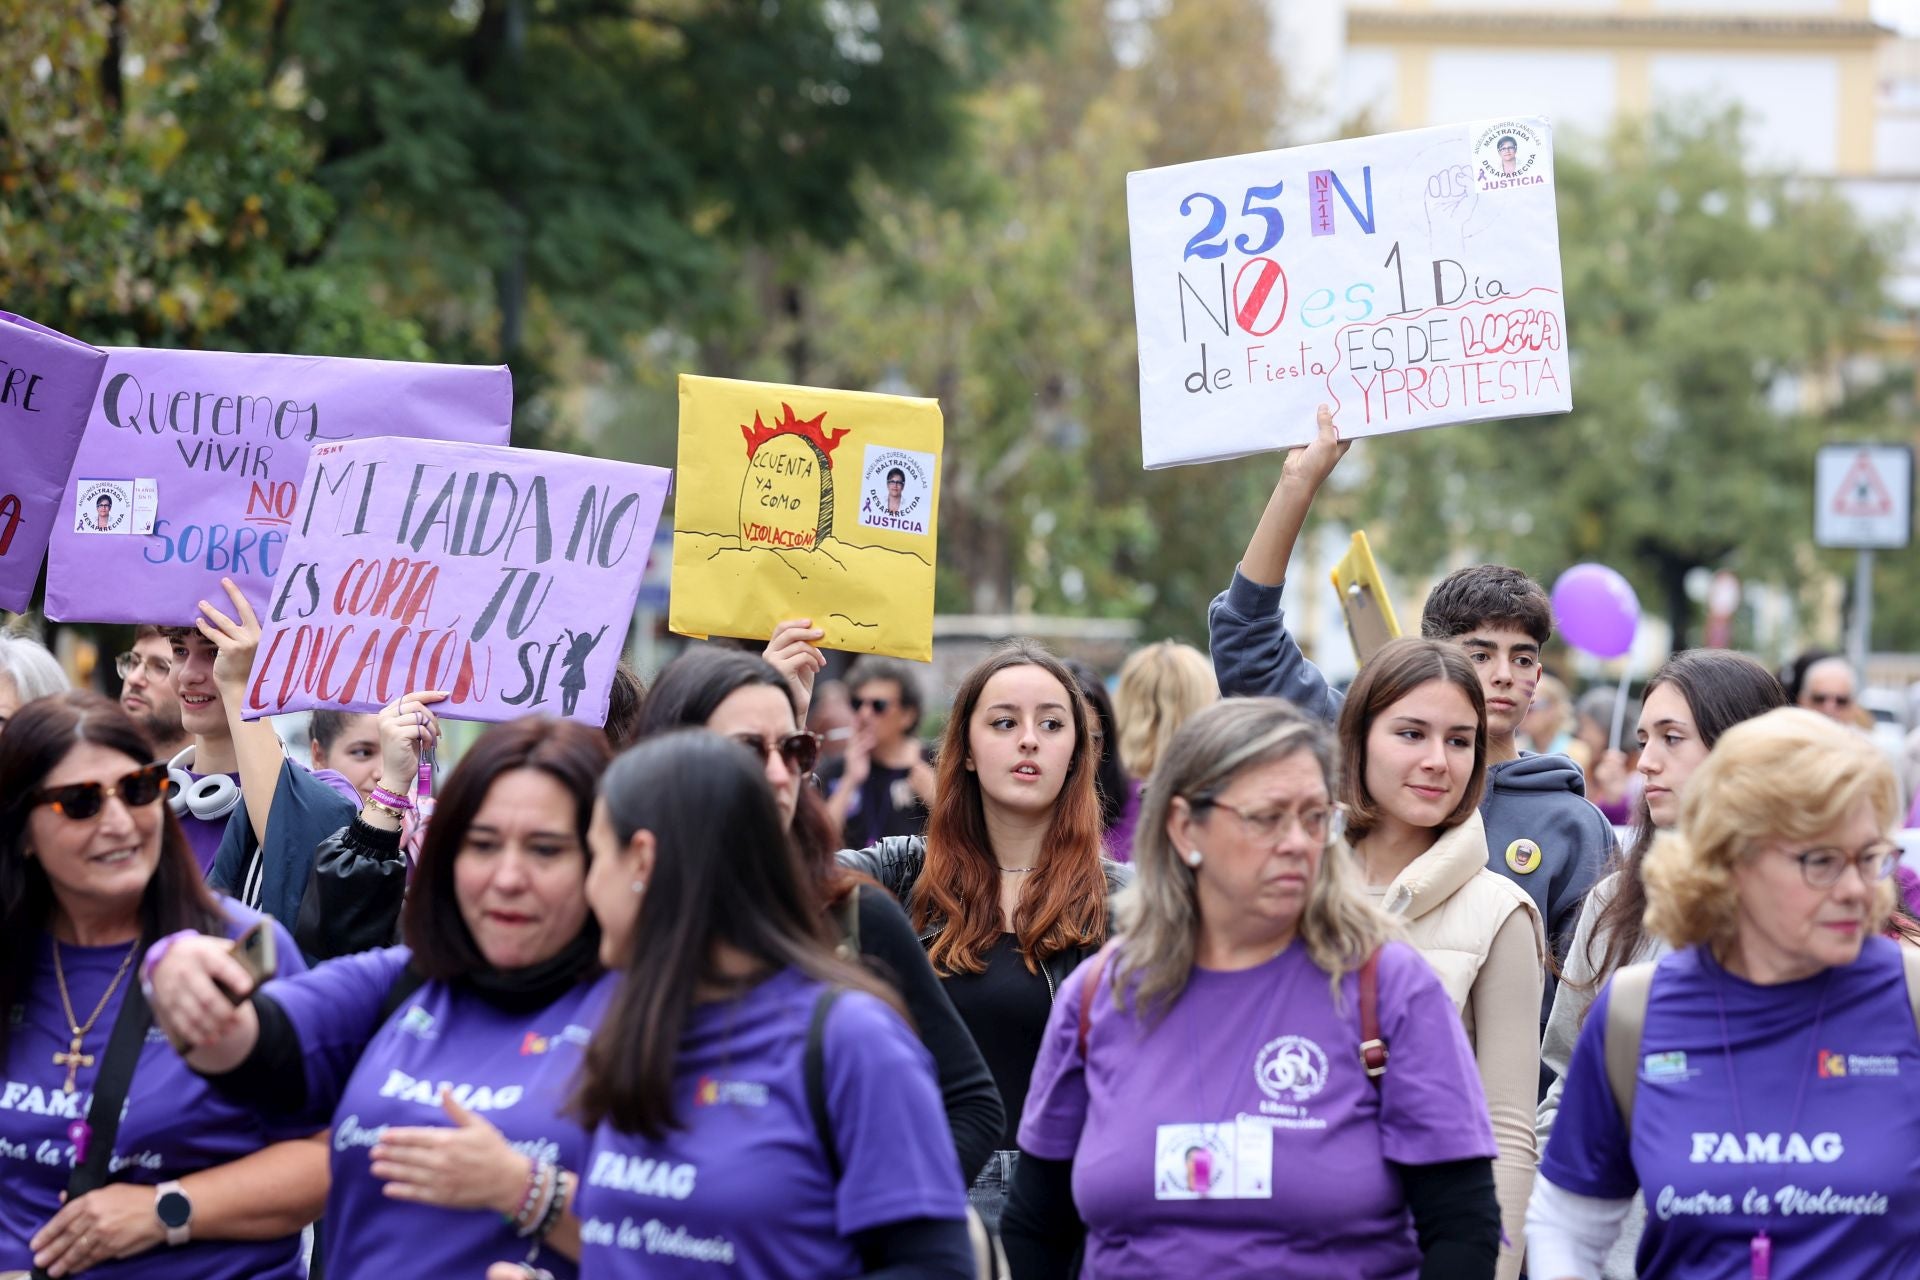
(110, 1095)
(405, 983)
(815, 1067)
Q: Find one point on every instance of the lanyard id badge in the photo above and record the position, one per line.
(1226, 1161)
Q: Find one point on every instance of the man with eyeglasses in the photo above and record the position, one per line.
(883, 785)
(1828, 687)
(146, 691)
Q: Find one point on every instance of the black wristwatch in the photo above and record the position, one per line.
(175, 1211)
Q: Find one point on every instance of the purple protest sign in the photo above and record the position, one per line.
(47, 381)
(190, 468)
(506, 577)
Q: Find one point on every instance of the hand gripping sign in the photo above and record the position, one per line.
(505, 576)
(800, 502)
(1407, 280)
(47, 383)
(191, 463)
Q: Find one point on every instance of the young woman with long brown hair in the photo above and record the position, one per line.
(1009, 889)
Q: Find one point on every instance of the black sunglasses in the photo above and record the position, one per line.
(800, 750)
(879, 705)
(83, 800)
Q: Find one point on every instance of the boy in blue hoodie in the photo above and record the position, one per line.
(1542, 833)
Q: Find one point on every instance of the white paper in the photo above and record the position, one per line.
(1406, 280)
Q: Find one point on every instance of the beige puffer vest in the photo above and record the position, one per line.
(1451, 907)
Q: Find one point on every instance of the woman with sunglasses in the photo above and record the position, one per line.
(1009, 889)
(1760, 1085)
(93, 868)
(1204, 1103)
(745, 698)
(444, 1065)
(1413, 744)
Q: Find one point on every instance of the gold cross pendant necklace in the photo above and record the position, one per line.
(73, 1059)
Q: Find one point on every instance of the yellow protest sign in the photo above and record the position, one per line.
(799, 502)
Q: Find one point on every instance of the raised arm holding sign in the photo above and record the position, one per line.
(1406, 280)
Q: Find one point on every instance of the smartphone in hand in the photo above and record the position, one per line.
(257, 954)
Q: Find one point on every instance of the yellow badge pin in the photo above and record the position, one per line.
(1523, 856)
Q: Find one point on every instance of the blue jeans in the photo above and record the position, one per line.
(988, 1194)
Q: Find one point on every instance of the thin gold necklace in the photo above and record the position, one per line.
(73, 1059)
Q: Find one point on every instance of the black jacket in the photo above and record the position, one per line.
(896, 862)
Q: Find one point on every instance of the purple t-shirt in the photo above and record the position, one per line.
(1837, 1189)
(1238, 1134)
(174, 1123)
(742, 1188)
(204, 834)
(514, 1070)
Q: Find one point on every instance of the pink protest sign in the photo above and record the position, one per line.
(191, 463)
(506, 577)
(47, 381)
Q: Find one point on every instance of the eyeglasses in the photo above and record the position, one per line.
(128, 663)
(800, 750)
(1822, 868)
(879, 705)
(1321, 822)
(83, 800)
(1838, 701)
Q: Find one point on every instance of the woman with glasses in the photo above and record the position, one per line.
(1413, 745)
(93, 868)
(1206, 1100)
(745, 698)
(1761, 1084)
(1009, 889)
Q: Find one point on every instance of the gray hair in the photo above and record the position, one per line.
(1159, 914)
(34, 671)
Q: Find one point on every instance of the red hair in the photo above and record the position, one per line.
(1063, 902)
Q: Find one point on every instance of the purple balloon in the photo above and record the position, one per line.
(1596, 611)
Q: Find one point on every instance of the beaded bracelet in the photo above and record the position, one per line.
(527, 1197)
(533, 1214)
(563, 1191)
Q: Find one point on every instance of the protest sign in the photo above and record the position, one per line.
(796, 502)
(47, 381)
(1406, 280)
(203, 453)
(506, 577)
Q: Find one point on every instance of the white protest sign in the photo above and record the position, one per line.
(1407, 280)
(1863, 496)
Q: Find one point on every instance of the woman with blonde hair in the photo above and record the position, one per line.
(1413, 747)
(1761, 1084)
(1232, 1047)
(1159, 689)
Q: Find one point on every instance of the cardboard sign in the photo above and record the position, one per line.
(199, 455)
(1406, 280)
(47, 384)
(505, 576)
(796, 502)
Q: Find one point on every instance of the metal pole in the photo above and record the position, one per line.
(1860, 643)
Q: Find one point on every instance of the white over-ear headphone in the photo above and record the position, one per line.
(210, 798)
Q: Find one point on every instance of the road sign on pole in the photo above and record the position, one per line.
(1863, 496)
(1863, 499)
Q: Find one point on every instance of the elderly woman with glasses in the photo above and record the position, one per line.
(1761, 1084)
(1254, 1079)
(155, 1176)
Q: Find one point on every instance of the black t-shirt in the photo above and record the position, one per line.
(1006, 1009)
(885, 805)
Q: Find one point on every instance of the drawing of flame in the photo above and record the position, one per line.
(810, 430)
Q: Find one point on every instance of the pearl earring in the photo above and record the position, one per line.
(1195, 857)
(639, 886)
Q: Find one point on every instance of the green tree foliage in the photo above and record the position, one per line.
(1008, 294)
(1706, 307)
